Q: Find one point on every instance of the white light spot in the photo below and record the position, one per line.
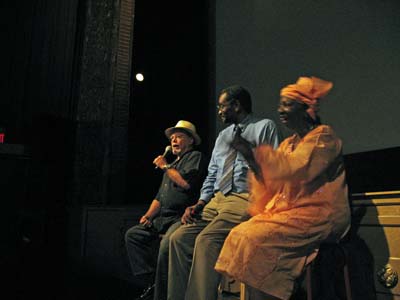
(139, 77)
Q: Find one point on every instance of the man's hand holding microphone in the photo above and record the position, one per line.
(160, 160)
(192, 213)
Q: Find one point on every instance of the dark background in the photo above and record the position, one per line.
(43, 78)
(171, 49)
(266, 45)
(76, 166)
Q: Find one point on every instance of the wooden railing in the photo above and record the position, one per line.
(376, 222)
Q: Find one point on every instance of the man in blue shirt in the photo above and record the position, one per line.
(223, 203)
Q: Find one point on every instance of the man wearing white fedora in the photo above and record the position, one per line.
(148, 256)
(223, 202)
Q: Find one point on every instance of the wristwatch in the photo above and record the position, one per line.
(166, 167)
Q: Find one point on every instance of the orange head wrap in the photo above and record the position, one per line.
(308, 90)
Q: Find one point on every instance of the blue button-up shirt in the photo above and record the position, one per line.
(256, 131)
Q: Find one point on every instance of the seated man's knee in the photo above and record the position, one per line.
(164, 245)
(175, 237)
(128, 234)
(133, 234)
(202, 242)
(178, 237)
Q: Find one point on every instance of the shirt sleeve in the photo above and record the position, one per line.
(207, 190)
(270, 134)
(194, 169)
(311, 157)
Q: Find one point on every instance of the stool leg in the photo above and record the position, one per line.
(308, 282)
(242, 291)
(346, 276)
(347, 281)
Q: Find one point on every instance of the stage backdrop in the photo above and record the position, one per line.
(264, 45)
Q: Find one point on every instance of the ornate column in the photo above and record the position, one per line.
(102, 102)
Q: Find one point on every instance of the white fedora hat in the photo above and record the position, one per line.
(187, 127)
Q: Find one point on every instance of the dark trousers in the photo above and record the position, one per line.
(148, 256)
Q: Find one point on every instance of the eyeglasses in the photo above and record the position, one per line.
(224, 105)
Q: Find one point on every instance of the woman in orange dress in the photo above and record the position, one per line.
(299, 199)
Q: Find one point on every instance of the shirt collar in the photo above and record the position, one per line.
(242, 125)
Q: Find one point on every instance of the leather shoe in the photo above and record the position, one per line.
(147, 293)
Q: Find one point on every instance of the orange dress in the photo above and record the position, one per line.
(301, 203)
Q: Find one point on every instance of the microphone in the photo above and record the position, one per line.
(166, 151)
(197, 210)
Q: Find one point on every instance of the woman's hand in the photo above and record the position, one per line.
(246, 149)
(242, 145)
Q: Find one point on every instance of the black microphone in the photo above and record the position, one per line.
(166, 151)
(196, 211)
